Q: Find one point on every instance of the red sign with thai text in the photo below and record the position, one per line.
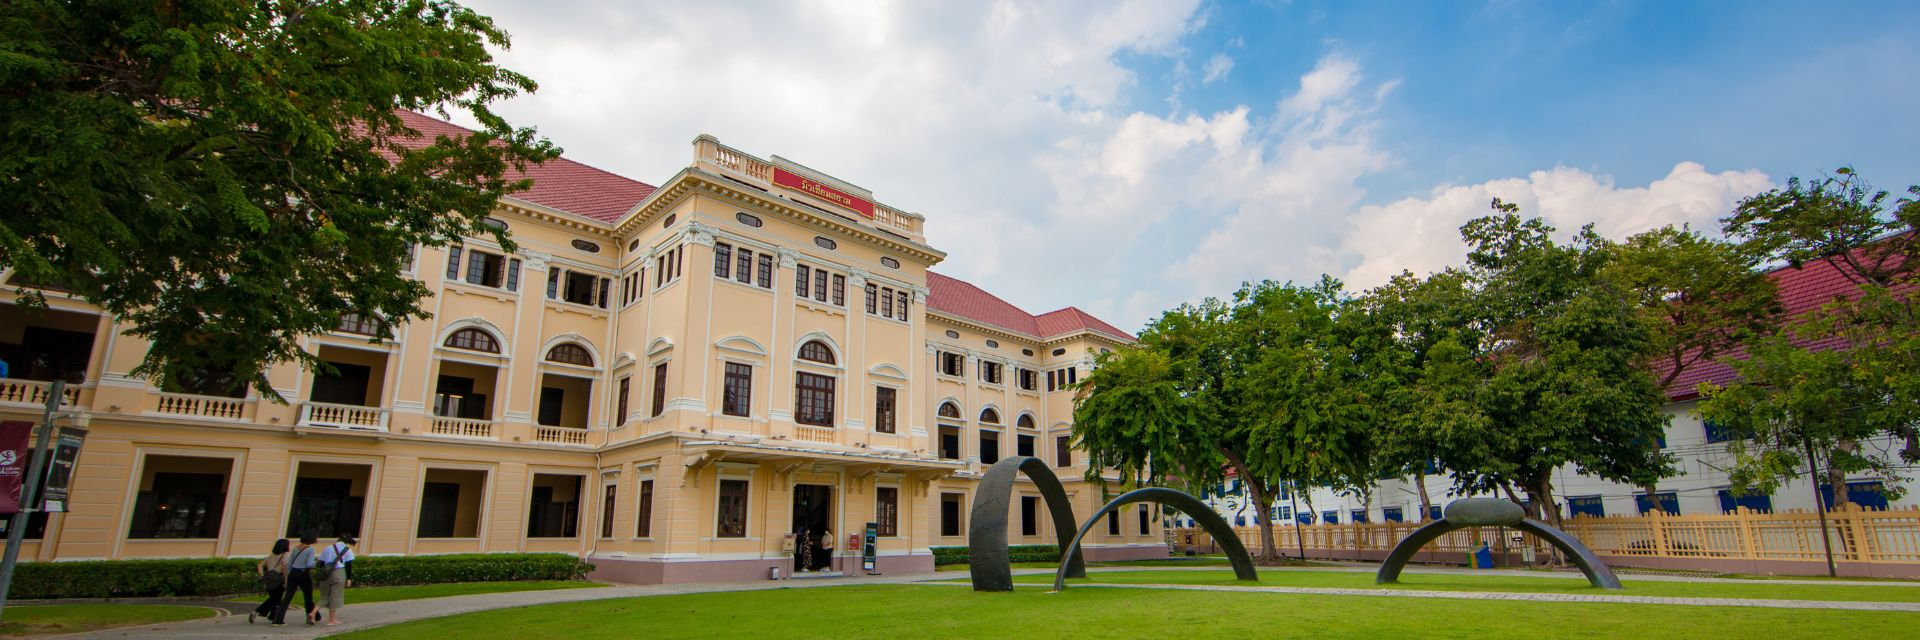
(813, 188)
(14, 453)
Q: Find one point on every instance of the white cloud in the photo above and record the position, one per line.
(1217, 67)
(1422, 234)
(1012, 127)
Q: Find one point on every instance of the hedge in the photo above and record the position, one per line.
(228, 576)
(1015, 553)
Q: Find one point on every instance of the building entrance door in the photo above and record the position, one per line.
(812, 521)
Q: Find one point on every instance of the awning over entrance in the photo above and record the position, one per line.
(787, 460)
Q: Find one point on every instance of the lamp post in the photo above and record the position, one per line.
(29, 492)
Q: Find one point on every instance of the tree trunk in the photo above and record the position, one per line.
(1542, 494)
(1426, 504)
(1262, 498)
(1652, 488)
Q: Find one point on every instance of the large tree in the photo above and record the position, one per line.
(1555, 379)
(1418, 320)
(1839, 379)
(228, 177)
(1702, 298)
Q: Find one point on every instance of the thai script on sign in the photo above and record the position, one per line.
(813, 188)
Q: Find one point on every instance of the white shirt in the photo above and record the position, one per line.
(338, 554)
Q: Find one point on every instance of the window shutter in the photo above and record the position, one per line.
(605, 284)
(476, 267)
(553, 282)
(453, 263)
(513, 274)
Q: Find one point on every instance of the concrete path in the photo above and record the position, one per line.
(365, 616)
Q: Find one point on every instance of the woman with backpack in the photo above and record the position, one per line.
(272, 571)
(299, 578)
(332, 574)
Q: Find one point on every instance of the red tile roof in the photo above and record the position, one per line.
(1802, 289)
(1072, 319)
(957, 297)
(559, 183)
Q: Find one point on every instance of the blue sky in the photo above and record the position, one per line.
(1126, 157)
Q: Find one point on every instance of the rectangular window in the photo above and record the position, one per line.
(1073, 375)
(601, 299)
(181, 497)
(1669, 502)
(738, 390)
(1715, 433)
(643, 526)
(1024, 445)
(678, 258)
(883, 410)
(949, 443)
(886, 302)
(1063, 451)
(1589, 506)
(873, 304)
(900, 306)
(819, 285)
(743, 269)
(952, 364)
(660, 270)
(1029, 379)
(1728, 502)
(990, 372)
(989, 447)
(453, 263)
(620, 402)
(1029, 515)
(659, 389)
(733, 509)
(1050, 380)
(950, 513)
(839, 290)
(1113, 523)
(1146, 520)
(513, 275)
(488, 270)
(576, 287)
(607, 502)
(1387, 514)
(802, 278)
(722, 260)
(765, 279)
(813, 399)
(886, 510)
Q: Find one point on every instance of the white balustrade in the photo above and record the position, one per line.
(186, 404)
(560, 435)
(343, 416)
(34, 392)
(805, 433)
(460, 428)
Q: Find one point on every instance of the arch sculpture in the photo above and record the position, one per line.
(1494, 512)
(987, 557)
(1202, 515)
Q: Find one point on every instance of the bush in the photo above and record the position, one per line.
(1015, 553)
(227, 576)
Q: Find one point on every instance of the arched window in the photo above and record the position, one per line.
(1025, 422)
(473, 340)
(570, 353)
(948, 410)
(989, 416)
(816, 351)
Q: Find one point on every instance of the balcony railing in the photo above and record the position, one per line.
(710, 154)
(805, 433)
(34, 392)
(560, 435)
(343, 416)
(460, 428)
(185, 404)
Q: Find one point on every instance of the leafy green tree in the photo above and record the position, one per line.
(1701, 297)
(228, 177)
(1414, 319)
(1847, 374)
(1555, 379)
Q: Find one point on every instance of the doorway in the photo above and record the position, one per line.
(812, 522)
(328, 499)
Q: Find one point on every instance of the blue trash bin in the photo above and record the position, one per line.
(1484, 557)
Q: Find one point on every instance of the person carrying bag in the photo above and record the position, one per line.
(332, 574)
(272, 571)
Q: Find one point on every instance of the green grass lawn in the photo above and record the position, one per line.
(368, 595)
(39, 619)
(1514, 584)
(928, 611)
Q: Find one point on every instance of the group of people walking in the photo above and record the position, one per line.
(304, 569)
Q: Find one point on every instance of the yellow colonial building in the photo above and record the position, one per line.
(672, 382)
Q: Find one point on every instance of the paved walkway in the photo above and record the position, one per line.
(365, 616)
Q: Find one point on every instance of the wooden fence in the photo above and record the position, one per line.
(1765, 542)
